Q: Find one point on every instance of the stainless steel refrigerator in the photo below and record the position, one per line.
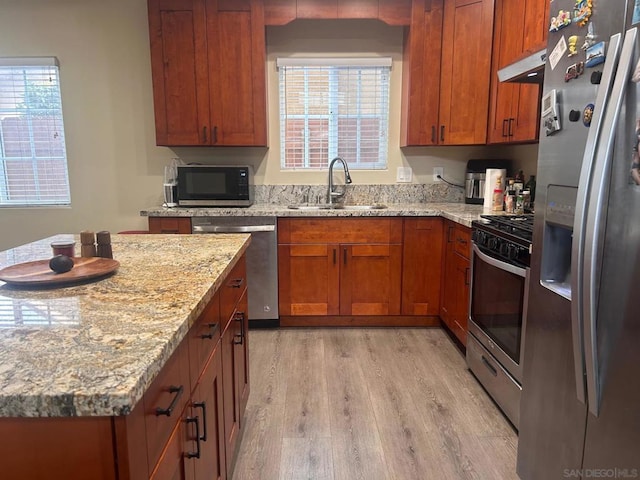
(580, 408)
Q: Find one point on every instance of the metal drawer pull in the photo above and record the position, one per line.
(195, 454)
(236, 283)
(239, 338)
(213, 327)
(167, 411)
(203, 406)
(491, 368)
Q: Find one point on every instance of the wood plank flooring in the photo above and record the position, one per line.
(369, 404)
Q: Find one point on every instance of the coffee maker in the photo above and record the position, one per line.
(475, 178)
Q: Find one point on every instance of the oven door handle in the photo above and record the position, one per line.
(521, 272)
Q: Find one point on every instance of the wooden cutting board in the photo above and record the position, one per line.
(38, 273)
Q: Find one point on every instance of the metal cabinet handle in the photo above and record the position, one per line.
(511, 120)
(204, 134)
(504, 127)
(212, 330)
(344, 256)
(167, 411)
(236, 283)
(467, 281)
(239, 338)
(442, 133)
(203, 407)
(334, 256)
(195, 454)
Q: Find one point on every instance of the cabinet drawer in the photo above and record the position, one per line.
(462, 241)
(203, 337)
(169, 225)
(164, 402)
(339, 230)
(231, 291)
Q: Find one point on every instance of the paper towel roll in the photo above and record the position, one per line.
(490, 184)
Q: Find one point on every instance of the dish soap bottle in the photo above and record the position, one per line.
(498, 196)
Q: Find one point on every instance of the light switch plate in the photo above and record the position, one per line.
(404, 175)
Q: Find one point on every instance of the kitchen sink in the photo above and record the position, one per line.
(377, 206)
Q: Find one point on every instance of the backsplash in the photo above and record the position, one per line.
(360, 194)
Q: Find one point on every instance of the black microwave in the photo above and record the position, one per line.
(214, 186)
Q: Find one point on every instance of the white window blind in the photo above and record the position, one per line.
(33, 159)
(334, 107)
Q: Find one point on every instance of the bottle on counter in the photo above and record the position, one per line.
(498, 196)
(519, 182)
(519, 203)
(531, 186)
(510, 197)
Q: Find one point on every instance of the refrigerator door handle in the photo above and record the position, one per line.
(595, 220)
(577, 249)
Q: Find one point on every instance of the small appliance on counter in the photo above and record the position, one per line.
(214, 186)
(475, 178)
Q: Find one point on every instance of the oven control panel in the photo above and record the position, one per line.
(502, 248)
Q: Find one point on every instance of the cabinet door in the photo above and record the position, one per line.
(241, 319)
(174, 464)
(208, 406)
(507, 47)
(370, 279)
(237, 75)
(421, 266)
(460, 315)
(536, 25)
(421, 74)
(179, 65)
(448, 292)
(309, 279)
(466, 67)
(230, 402)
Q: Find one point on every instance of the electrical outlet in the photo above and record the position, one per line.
(437, 171)
(404, 175)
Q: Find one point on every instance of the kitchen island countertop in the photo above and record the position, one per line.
(93, 349)
(458, 212)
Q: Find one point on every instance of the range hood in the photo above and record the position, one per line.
(529, 69)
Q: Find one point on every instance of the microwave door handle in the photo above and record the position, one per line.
(233, 229)
(507, 267)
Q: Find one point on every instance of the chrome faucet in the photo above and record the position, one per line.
(332, 193)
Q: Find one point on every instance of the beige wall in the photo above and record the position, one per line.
(115, 169)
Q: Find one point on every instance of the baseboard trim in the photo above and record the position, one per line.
(360, 321)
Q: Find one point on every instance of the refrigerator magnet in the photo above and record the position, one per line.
(560, 21)
(595, 55)
(587, 114)
(558, 51)
(572, 43)
(574, 71)
(582, 12)
(589, 38)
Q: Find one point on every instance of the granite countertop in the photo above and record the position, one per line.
(461, 213)
(94, 349)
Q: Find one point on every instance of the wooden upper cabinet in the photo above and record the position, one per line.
(521, 29)
(391, 12)
(466, 67)
(208, 69)
(177, 30)
(421, 74)
(446, 73)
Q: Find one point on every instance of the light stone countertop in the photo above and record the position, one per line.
(94, 349)
(461, 213)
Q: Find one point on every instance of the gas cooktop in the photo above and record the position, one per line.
(518, 226)
(505, 236)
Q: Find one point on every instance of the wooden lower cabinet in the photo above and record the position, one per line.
(169, 225)
(454, 301)
(350, 272)
(180, 429)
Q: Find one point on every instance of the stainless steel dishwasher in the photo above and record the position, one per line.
(262, 262)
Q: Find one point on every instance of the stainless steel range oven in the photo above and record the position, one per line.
(500, 262)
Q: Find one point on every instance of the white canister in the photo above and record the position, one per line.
(490, 184)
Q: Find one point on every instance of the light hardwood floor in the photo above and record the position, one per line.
(369, 404)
